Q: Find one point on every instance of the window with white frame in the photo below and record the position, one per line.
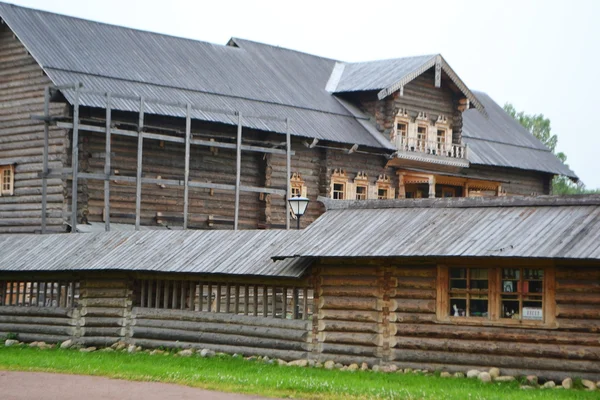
(361, 186)
(339, 184)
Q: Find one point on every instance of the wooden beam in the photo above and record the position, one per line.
(186, 174)
(75, 161)
(138, 180)
(238, 171)
(174, 139)
(288, 171)
(45, 156)
(107, 166)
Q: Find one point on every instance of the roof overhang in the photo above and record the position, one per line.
(440, 64)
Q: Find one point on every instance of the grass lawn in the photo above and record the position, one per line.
(230, 374)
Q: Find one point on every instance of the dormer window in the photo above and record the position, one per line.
(7, 180)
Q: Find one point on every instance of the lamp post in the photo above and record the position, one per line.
(298, 205)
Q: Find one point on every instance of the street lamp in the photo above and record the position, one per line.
(298, 205)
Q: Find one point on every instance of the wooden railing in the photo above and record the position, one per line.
(430, 147)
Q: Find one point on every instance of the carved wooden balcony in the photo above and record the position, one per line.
(431, 151)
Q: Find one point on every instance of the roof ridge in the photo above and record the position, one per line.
(464, 202)
(393, 59)
(113, 25)
(235, 39)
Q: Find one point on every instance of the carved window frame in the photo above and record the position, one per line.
(298, 186)
(442, 124)
(339, 177)
(496, 295)
(361, 181)
(384, 183)
(7, 180)
(401, 140)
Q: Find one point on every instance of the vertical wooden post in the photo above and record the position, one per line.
(150, 293)
(30, 293)
(432, 187)
(228, 298)
(265, 301)
(246, 299)
(283, 302)
(401, 186)
(45, 155)
(209, 300)
(183, 288)
(138, 180)
(305, 303)
(218, 298)
(201, 296)
(192, 296)
(75, 160)
(255, 294)
(274, 302)
(107, 165)
(294, 303)
(238, 172)
(236, 304)
(157, 297)
(143, 294)
(165, 294)
(186, 174)
(288, 170)
(174, 295)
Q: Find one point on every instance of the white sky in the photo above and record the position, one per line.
(538, 55)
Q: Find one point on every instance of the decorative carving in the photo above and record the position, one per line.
(361, 176)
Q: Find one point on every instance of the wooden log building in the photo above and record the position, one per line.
(170, 143)
(102, 124)
(438, 284)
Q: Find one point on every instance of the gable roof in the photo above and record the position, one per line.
(246, 253)
(535, 227)
(257, 81)
(500, 140)
(389, 76)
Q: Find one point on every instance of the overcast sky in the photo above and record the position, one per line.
(542, 56)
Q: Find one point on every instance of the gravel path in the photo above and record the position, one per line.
(41, 385)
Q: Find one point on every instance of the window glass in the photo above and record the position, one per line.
(469, 292)
(522, 293)
(361, 193)
(338, 191)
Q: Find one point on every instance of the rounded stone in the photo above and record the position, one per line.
(473, 373)
(494, 372)
(567, 383)
(549, 385)
(445, 374)
(485, 377)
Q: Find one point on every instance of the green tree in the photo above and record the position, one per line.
(539, 126)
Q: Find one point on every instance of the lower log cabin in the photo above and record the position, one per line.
(104, 124)
(514, 284)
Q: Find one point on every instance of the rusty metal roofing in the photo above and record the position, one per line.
(500, 140)
(542, 227)
(208, 252)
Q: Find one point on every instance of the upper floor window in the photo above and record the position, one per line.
(361, 184)
(421, 137)
(297, 185)
(339, 184)
(384, 187)
(515, 295)
(7, 180)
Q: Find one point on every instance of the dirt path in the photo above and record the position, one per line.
(41, 385)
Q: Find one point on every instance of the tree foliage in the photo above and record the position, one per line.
(539, 126)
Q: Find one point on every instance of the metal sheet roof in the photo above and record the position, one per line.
(252, 78)
(500, 140)
(209, 252)
(544, 227)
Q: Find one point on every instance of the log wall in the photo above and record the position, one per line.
(520, 182)
(22, 83)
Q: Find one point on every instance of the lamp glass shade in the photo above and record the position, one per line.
(298, 205)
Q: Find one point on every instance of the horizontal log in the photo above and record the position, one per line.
(104, 302)
(101, 331)
(330, 271)
(350, 315)
(500, 348)
(404, 293)
(415, 317)
(370, 281)
(578, 311)
(410, 282)
(183, 315)
(415, 305)
(500, 361)
(350, 303)
(350, 291)
(418, 271)
(351, 338)
(44, 329)
(349, 326)
(500, 333)
(584, 325)
(585, 274)
(570, 285)
(354, 350)
(102, 312)
(21, 319)
(243, 350)
(578, 298)
(102, 321)
(230, 329)
(214, 338)
(37, 311)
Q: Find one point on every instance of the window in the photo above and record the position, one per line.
(339, 181)
(361, 192)
(382, 194)
(384, 187)
(441, 141)
(339, 189)
(522, 294)
(7, 180)
(421, 137)
(496, 295)
(297, 185)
